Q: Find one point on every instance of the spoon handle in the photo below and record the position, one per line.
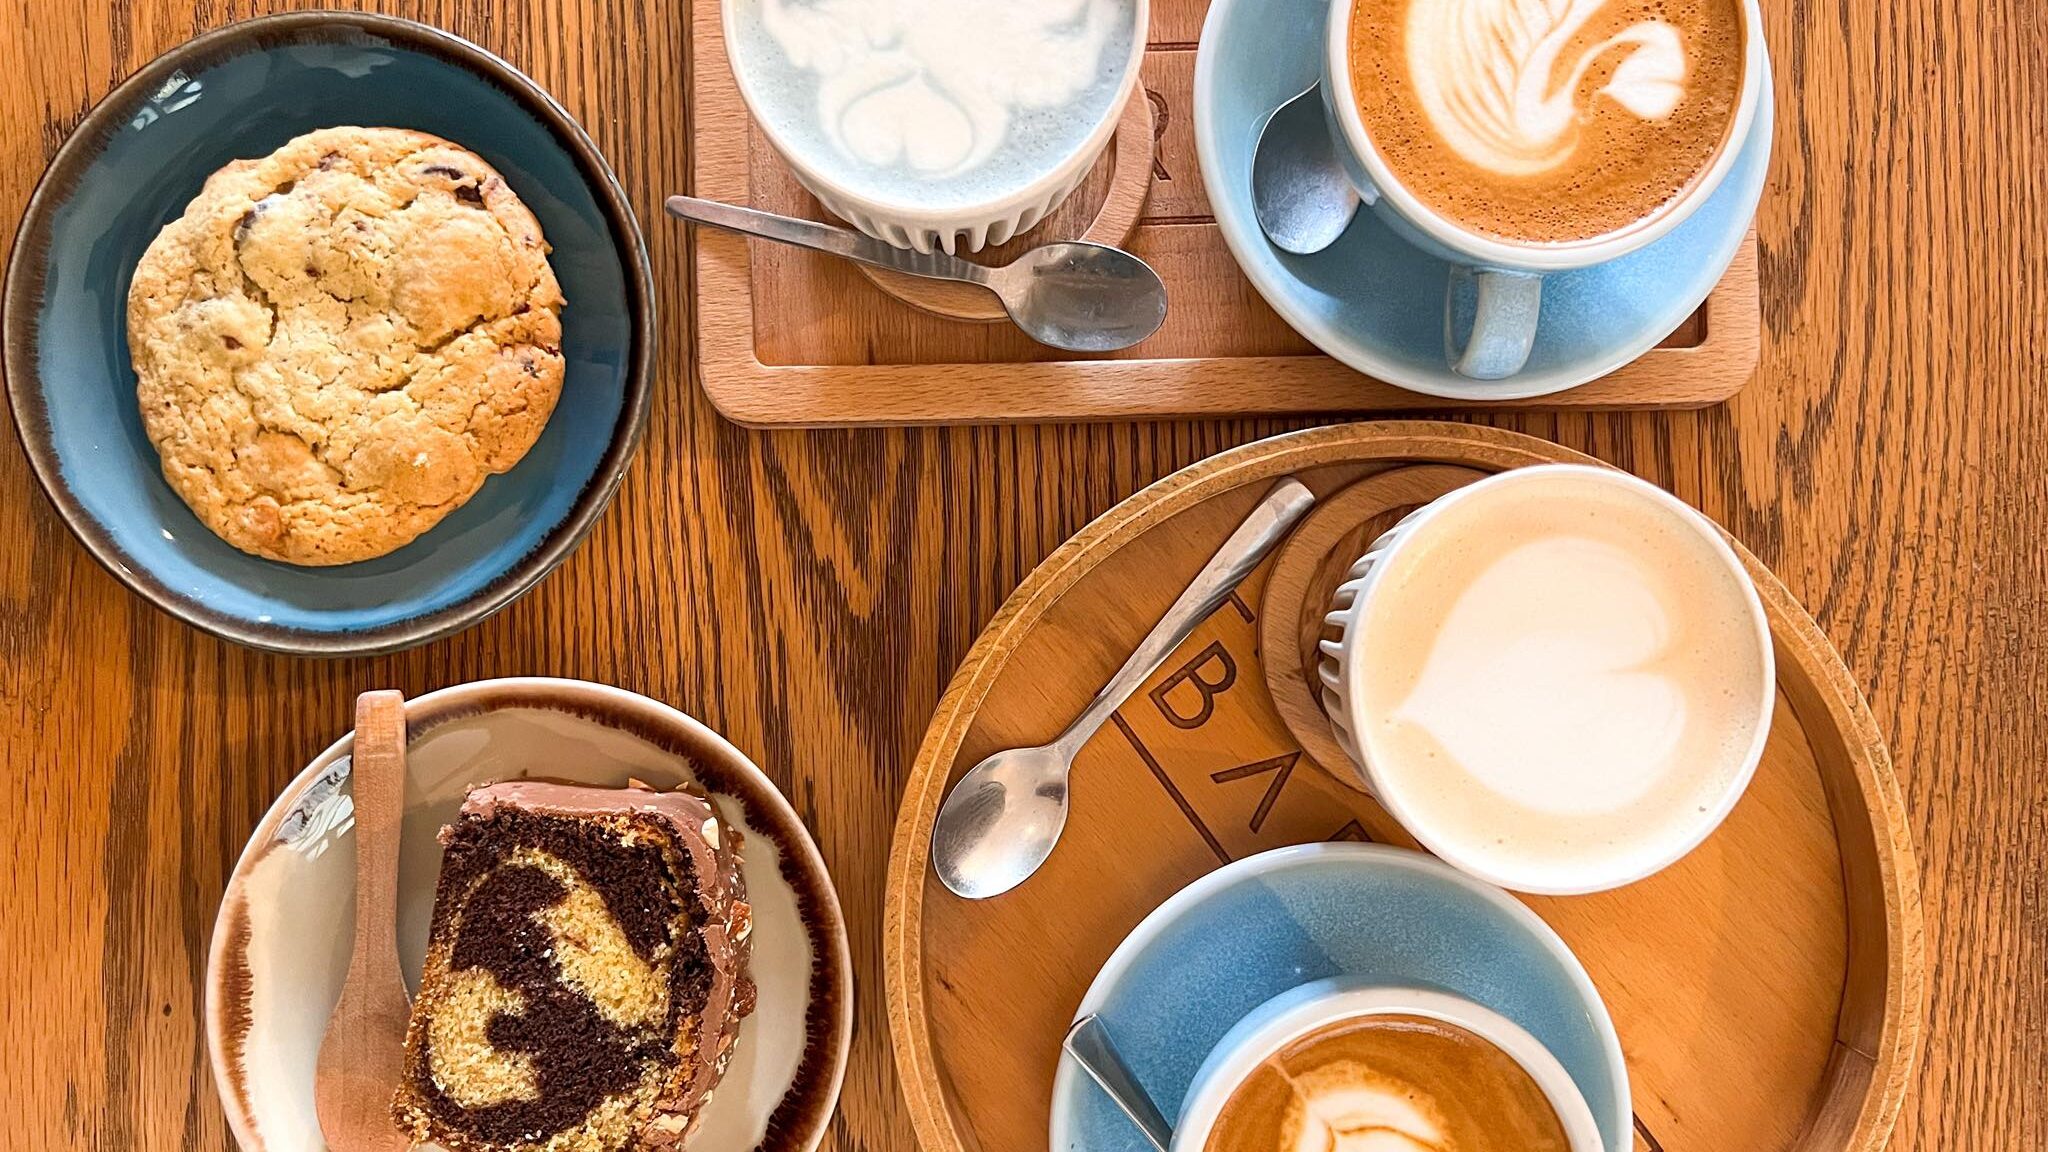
(1264, 528)
(363, 1050)
(1089, 1044)
(840, 242)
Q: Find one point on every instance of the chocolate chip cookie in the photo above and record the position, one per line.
(338, 343)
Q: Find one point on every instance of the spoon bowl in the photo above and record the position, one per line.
(1022, 792)
(1300, 194)
(1074, 295)
(1081, 296)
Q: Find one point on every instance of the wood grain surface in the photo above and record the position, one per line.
(809, 593)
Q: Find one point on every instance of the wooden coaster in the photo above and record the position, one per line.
(1104, 208)
(1304, 576)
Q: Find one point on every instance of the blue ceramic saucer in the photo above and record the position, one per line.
(1373, 300)
(1270, 923)
(133, 165)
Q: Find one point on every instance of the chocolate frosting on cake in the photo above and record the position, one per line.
(666, 867)
(726, 918)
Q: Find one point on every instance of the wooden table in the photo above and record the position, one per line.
(809, 594)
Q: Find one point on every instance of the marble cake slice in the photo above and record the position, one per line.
(586, 973)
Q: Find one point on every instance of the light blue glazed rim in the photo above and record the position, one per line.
(1071, 1087)
(1682, 268)
(385, 609)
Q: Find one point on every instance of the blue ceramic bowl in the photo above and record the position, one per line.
(135, 163)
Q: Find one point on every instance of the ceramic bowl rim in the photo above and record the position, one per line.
(596, 703)
(27, 272)
(1486, 250)
(1116, 969)
(966, 216)
(1385, 786)
(1305, 1008)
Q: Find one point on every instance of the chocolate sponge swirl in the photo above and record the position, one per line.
(586, 973)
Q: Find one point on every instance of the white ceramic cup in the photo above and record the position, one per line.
(1343, 659)
(1291, 1015)
(903, 221)
(1504, 278)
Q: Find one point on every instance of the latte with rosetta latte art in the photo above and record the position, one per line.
(1393, 1083)
(1547, 121)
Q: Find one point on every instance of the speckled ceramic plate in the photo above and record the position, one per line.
(281, 941)
(134, 164)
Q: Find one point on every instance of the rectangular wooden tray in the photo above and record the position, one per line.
(788, 337)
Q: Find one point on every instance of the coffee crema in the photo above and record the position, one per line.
(1547, 121)
(1565, 674)
(1393, 1083)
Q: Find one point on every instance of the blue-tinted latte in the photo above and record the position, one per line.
(932, 104)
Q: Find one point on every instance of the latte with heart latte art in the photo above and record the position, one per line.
(1547, 121)
(1565, 674)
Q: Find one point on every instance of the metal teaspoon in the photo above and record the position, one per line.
(1089, 1044)
(1074, 295)
(1002, 819)
(1300, 194)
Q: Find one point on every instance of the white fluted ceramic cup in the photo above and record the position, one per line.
(903, 221)
(1343, 659)
(1503, 279)
(1294, 1014)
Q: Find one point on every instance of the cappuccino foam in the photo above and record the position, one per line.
(1393, 1083)
(1547, 121)
(1563, 679)
(937, 104)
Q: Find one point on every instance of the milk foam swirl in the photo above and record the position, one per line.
(1487, 73)
(1548, 680)
(931, 85)
(1349, 1107)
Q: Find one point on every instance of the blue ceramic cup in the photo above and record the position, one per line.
(1493, 302)
(1336, 1001)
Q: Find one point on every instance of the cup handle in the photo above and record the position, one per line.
(1490, 320)
(1368, 193)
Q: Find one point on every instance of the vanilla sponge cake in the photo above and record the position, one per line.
(586, 973)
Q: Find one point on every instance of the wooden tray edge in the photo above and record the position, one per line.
(1883, 1055)
(896, 395)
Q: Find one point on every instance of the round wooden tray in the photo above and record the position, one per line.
(1768, 988)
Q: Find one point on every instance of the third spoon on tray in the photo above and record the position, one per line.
(1002, 819)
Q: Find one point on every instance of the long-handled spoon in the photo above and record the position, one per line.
(363, 1052)
(1074, 295)
(1002, 819)
(1089, 1044)
(1300, 194)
